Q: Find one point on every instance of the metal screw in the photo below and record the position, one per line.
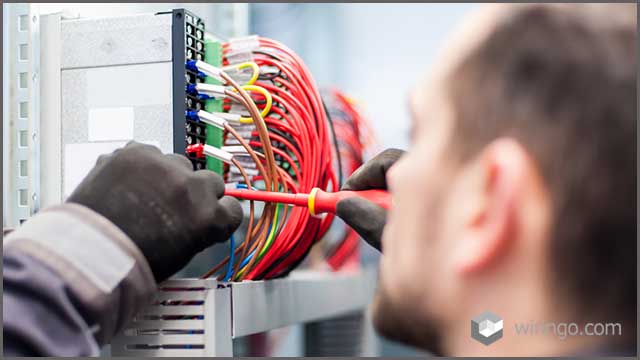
(34, 137)
(34, 197)
(34, 77)
(34, 18)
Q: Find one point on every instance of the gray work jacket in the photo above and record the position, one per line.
(71, 280)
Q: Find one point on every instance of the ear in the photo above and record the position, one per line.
(491, 224)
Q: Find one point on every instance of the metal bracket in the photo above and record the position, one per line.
(196, 317)
(22, 120)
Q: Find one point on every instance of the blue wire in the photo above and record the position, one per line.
(232, 248)
(247, 259)
(244, 186)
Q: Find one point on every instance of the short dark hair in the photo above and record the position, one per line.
(561, 80)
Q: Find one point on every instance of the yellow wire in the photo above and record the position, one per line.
(267, 96)
(244, 65)
(272, 234)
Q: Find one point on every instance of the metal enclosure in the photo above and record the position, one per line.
(201, 317)
(116, 76)
(52, 109)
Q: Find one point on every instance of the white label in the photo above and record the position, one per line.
(129, 85)
(79, 159)
(108, 124)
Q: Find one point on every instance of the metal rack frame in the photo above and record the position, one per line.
(21, 124)
(191, 317)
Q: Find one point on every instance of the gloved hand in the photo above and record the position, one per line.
(366, 218)
(169, 211)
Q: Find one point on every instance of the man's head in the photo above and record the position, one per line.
(518, 192)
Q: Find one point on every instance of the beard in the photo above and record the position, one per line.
(404, 325)
(401, 316)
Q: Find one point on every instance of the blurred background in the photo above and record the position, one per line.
(373, 52)
(351, 46)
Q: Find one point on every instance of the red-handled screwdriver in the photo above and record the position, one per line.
(317, 201)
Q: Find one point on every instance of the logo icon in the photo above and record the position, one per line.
(486, 328)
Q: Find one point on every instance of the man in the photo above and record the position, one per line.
(516, 197)
(518, 194)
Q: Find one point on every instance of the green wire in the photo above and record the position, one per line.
(269, 242)
(272, 233)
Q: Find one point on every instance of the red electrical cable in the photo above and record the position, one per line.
(300, 141)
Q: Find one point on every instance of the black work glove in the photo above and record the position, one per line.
(365, 217)
(169, 211)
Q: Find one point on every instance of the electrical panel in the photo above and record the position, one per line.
(124, 78)
(247, 108)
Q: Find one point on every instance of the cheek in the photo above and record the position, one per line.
(410, 241)
(404, 239)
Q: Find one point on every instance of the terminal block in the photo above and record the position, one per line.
(215, 136)
(188, 44)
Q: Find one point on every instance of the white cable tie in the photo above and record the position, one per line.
(239, 58)
(249, 164)
(219, 154)
(209, 69)
(244, 127)
(243, 157)
(238, 109)
(250, 172)
(235, 178)
(244, 42)
(238, 75)
(212, 119)
(235, 149)
(244, 134)
(217, 91)
(241, 49)
(232, 118)
(231, 185)
(232, 141)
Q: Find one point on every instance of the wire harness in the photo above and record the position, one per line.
(277, 137)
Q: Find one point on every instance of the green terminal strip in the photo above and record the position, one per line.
(213, 56)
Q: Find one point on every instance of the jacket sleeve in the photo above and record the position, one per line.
(71, 280)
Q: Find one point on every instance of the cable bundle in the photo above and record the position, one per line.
(353, 136)
(277, 138)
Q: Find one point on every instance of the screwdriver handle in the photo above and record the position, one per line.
(317, 201)
(324, 202)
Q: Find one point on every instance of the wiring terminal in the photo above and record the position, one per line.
(194, 50)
